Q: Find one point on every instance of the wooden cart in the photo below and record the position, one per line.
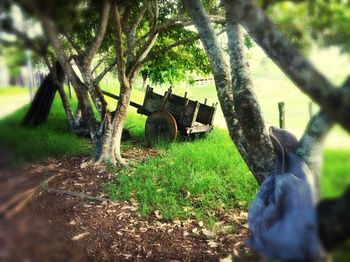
(171, 114)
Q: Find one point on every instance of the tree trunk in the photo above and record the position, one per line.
(234, 89)
(246, 104)
(113, 128)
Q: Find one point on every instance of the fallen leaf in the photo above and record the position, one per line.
(77, 237)
(235, 252)
(207, 232)
(226, 259)
(158, 215)
(84, 165)
(177, 222)
(102, 170)
(213, 244)
(201, 223)
(127, 256)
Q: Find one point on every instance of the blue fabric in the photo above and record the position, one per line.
(282, 217)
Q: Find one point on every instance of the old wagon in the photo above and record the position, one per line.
(170, 115)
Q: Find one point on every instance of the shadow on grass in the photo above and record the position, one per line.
(51, 140)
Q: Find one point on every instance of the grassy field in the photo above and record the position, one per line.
(213, 159)
(12, 98)
(202, 178)
(50, 140)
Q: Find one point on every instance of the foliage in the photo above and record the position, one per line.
(178, 64)
(293, 20)
(330, 22)
(14, 60)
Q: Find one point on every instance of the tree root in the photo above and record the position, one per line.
(75, 194)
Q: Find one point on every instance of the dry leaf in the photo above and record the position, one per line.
(207, 232)
(227, 259)
(77, 237)
(177, 222)
(84, 165)
(201, 223)
(102, 170)
(235, 252)
(213, 244)
(158, 215)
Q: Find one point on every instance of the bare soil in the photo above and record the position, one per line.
(57, 211)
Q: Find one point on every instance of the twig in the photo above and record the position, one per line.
(75, 194)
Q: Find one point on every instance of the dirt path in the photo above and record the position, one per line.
(63, 222)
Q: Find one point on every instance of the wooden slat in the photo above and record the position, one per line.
(138, 106)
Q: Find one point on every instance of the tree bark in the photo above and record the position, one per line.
(232, 83)
(247, 107)
(111, 151)
(306, 77)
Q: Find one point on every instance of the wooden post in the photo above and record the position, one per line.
(281, 115)
(311, 113)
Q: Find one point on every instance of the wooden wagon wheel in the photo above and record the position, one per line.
(160, 126)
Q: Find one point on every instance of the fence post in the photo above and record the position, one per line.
(281, 115)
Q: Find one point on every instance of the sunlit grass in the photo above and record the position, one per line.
(194, 178)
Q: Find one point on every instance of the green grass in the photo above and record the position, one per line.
(190, 178)
(194, 178)
(51, 140)
(336, 172)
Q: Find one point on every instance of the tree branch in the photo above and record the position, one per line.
(72, 43)
(155, 53)
(162, 51)
(104, 72)
(131, 35)
(247, 107)
(153, 9)
(307, 78)
(119, 44)
(311, 143)
(27, 41)
(99, 34)
(178, 22)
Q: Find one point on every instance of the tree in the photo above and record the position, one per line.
(177, 64)
(241, 110)
(134, 29)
